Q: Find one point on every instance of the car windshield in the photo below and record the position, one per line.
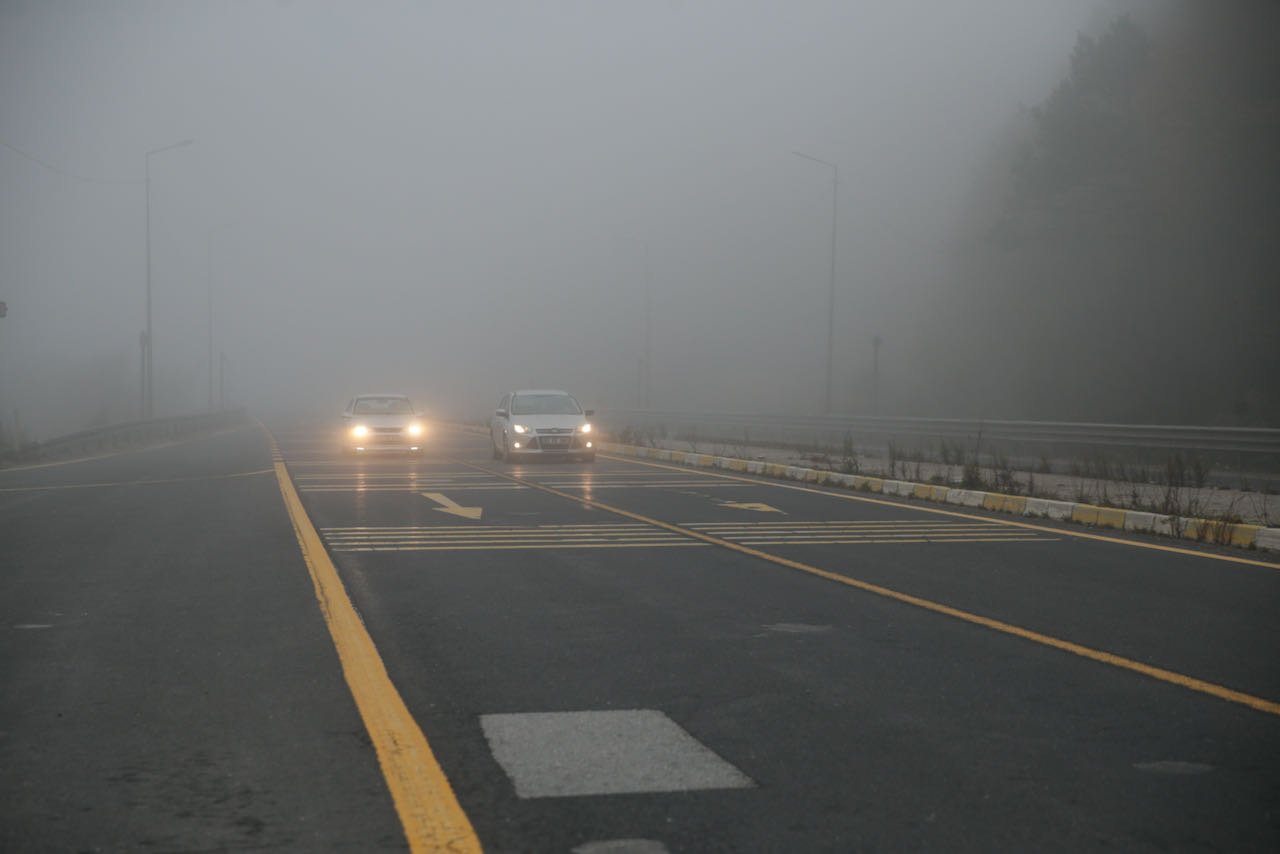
(544, 404)
(383, 406)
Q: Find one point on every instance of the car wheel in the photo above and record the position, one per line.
(494, 453)
(506, 450)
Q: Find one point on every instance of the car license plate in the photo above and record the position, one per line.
(555, 442)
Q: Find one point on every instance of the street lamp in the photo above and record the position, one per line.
(831, 291)
(148, 339)
(213, 233)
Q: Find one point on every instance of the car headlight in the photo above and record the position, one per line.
(520, 428)
(360, 431)
(585, 428)
(414, 429)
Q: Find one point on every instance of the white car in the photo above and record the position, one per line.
(382, 422)
(541, 422)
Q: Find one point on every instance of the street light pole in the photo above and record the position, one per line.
(149, 365)
(831, 290)
(210, 276)
(209, 306)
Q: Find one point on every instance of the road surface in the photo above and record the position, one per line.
(614, 657)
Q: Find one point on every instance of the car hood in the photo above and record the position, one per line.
(384, 420)
(544, 422)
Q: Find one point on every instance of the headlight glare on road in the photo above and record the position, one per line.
(415, 429)
(360, 431)
(520, 428)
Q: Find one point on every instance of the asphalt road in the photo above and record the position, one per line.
(614, 657)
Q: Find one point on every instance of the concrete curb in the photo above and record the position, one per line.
(1200, 530)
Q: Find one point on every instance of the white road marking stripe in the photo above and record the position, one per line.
(411, 488)
(481, 546)
(585, 525)
(564, 754)
(907, 538)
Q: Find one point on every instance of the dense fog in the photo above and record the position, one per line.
(1044, 209)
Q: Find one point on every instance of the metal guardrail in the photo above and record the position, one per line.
(128, 434)
(833, 429)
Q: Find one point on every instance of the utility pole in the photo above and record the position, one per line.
(875, 374)
(149, 402)
(142, 376)
(210, 310)
(646, 379)
(831, 289)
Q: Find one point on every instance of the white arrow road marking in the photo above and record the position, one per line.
(751, 505)
(451, 506)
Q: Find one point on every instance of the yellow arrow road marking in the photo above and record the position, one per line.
(750, 505)
(451, 506)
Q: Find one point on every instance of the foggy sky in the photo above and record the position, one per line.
(456, 199)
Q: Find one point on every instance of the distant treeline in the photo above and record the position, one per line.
(1120, 260)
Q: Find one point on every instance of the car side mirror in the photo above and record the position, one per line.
(588, 412)
(501, 413)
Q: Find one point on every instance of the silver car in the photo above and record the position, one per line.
(382, 422)
(541, 422)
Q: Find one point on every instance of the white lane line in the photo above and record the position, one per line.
(410, 488)
(916, 538)
(474, 538)
(396, 475)
(840, 524)
(590, 526)
(578, 484)
(569, 754)
(686, 544)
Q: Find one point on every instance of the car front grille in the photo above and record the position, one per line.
(557, 443)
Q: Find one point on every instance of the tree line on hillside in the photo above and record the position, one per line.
(1121, 260)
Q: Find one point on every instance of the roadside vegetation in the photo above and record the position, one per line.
(1171, 484)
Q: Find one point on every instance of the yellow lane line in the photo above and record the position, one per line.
(1065, 531)
(429, 811)
(136, 482)
(1159, 673)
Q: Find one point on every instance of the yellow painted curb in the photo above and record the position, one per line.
(1001, 503)
(1102, 517)
(1220, 533)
